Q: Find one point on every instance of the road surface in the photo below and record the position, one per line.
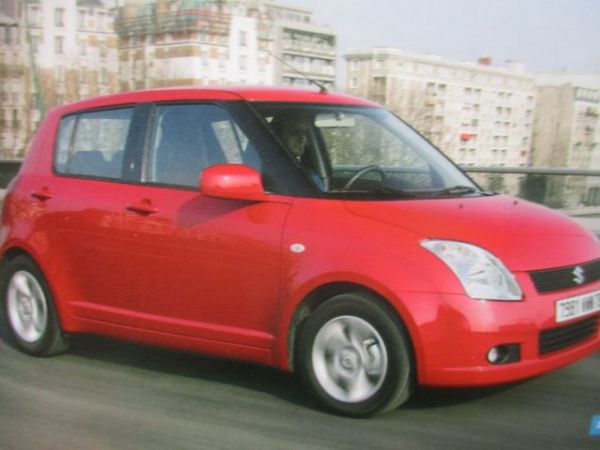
(105, 394)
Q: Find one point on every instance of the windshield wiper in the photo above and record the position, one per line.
(381, 190)
(455, 190)
(390, 191)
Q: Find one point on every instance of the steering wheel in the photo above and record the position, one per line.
(361, 172)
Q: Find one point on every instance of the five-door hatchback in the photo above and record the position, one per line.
(307, 231)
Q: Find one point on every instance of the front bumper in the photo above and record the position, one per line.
(452, 335)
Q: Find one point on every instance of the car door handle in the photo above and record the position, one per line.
(42, 195)
(144, 207)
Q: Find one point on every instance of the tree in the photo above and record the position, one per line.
(495, 183)
(533, 187)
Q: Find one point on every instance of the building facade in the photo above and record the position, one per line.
(75, 49)
(567, 131)
(59, 51)
(193, 42)
(14, 122)
(476, 113)
(302, 46)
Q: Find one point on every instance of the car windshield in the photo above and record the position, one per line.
(363, 151)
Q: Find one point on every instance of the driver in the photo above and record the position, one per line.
(292, 129)
(293, 132)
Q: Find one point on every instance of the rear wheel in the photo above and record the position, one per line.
(355, 357)
(29, 309)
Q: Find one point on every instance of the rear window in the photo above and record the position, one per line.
(92, 144)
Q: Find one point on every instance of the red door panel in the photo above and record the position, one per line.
(203, 267)
(80, 226)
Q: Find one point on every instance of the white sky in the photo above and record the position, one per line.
(548, 35)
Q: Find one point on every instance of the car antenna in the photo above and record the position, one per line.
(322, 88)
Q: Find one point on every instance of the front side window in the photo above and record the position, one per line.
(92, 144)
(362, 151)
(189, 138)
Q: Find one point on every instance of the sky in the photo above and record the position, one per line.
(547, 35)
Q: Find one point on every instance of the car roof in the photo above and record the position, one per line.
(227, 93)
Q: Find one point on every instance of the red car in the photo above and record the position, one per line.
(312, 232)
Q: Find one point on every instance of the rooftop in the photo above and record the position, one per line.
(513, 68)
(224, 93)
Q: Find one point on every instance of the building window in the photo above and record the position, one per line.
(59, 72)
(34, 16)
(354, 83)
(243, 39)
(59, 45)
(6, 33)
(80, 19)
(100, 21)
(243, 62)
(59, 17)
(35, 42)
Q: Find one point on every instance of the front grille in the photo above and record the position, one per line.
(566, 277)
(554, 339)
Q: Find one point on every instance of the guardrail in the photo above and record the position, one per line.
(560, 187)
(560, 171)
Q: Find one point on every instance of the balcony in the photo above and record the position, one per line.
(308, 48)
(176, 22)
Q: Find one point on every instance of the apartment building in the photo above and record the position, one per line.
(477, 113)
(180, 42)
(53, 51)
(13, 86)
(56, 51)
(74, 47)
(302, 45)
(567, 130)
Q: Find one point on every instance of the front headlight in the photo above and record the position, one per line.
(483, 276)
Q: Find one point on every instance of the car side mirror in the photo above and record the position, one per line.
(232, 181)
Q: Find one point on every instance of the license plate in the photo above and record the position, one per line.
(571, 308)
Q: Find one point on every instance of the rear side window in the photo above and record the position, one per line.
(93, 143)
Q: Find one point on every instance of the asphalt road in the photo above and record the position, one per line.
(110, 395)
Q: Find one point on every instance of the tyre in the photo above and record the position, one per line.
(355, 357)
(29, 309)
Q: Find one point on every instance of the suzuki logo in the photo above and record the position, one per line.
(579, 275)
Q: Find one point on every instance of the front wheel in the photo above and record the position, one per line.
(29, 309)
(355, 357)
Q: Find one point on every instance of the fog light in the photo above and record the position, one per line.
(495, 355)
(504, 354)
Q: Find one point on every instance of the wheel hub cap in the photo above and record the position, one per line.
(349, 359)
(27, 307)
